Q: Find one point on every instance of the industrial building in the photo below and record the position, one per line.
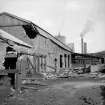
(80, 60)
(49, 53)
(30, 49)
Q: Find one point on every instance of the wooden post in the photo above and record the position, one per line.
(18, 81)
(18, 76)
(70, 61)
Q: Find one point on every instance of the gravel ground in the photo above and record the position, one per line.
(62, 93)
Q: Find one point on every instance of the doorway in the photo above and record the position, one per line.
(10, 64)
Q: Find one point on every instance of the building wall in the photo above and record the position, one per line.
(45, 46)
(2, 54)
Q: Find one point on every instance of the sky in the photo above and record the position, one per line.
(69, 17)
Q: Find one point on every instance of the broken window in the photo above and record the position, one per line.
(31, 31)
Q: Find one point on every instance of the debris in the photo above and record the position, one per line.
(27, 87)
(33, 82)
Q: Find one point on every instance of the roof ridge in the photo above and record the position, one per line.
(14, 16)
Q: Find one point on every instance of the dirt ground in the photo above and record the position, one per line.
(62, 92)
(4, 92)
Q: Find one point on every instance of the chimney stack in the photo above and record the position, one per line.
(85, 47)
(82, 44)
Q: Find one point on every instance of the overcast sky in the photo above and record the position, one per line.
(69, 17)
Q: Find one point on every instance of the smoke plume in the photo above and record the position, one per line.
(87, 28)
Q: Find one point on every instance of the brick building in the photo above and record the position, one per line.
(47, 53)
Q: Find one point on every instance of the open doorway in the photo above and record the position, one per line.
(61, 61)
(10, 63)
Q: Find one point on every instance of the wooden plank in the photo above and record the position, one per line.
(8, 71)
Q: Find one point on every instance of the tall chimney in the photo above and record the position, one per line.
(85, 47)
(86, 29)
(82, 44)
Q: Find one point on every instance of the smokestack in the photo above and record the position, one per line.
(86, 29)
(85, 47)
(82, 44)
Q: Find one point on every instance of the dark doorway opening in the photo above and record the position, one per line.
(55, 63)
(65, 57)
(68, 61)
(61, 61)
(12, 79)
(10, 64)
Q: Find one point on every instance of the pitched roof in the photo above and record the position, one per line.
(41, 32)
(14, 16)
